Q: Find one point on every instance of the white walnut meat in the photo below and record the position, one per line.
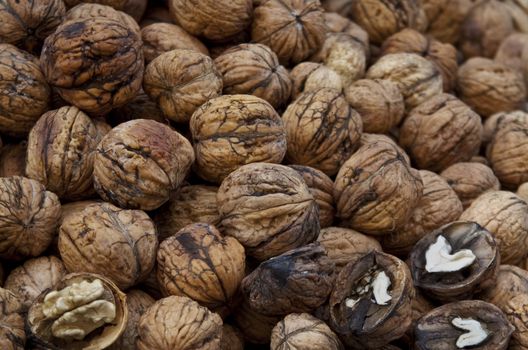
(24, 92)
(12, 333)
(376, 190)
(82, 311)
(322, 130)
(234, 130)
(139, 163)
(13, 159)
(29, 217)
(254, 69)
(268, 208)
(133, 8)
(440, 132)
(293, 29)
(116, 243)
(255, 326)
(179, 323)
(311, 76)
(445, 18)
(180, 81)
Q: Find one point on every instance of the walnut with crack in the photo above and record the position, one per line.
(311, 76)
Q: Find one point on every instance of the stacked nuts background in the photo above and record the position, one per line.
(266, 174)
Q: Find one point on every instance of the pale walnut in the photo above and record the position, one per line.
(522, 191)
(311, 76)
(519, 12)
(134, 8)
(13, 160)
(12, 333)
(445, 18)
(336, 23)
(511, 50)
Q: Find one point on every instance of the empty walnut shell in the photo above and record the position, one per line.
(254, 69)
(180, 81)
(293, 29)
(24, 92)
(13, 160)
(139, 163)
(232, 338)
(116, 243)
(445, 18)
(134, 8)
(179, 323)
(322, 130)
(268, 208)
(467, 323)
(233, 130)
(255, 326)
(310, 76)
(12, 334)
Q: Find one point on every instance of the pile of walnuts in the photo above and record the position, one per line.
(252, 174)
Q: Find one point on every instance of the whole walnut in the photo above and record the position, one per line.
(139, 163)
(519, 12)
(232, 338)
(322, 130)
(179, 323)
(311, 76)
(142, 107)
(336, 23)
(505, 215)
(511, 50)
(26, 24)
(341, 7)
(180, 81)
(233, 130)
(29, 217)
(379, 103)
(94, 10)
(24, 92)
(489, 87)
(368, 139)
(268, 208)
(470, 180)
(376, 190)
(12, 334)
(135, 8)
(254, 69)
(522, 191)
(417, 78)
(293, 29)
(199, 263)
(445, 18)
(255, 326)
(95, 63)
(116, 243)
(13, 160)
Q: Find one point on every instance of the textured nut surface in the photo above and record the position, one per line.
(135, 8)
(13, 160)
(445, 18)
(522, 191)
(94, 10)
(232, 338)
(12, 334)
(310, 76)
(337, 23)
(511, 49)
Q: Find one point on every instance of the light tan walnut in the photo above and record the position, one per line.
(445, 18)
(336, 23)
(511, 50)
(311, 76)
(12, 333)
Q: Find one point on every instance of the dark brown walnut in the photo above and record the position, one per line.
(370, 305)
(139, 163)
(254, 69)
(256, 327)
(191, 204)
(95, 63)
(336, 23)
(322, 189)
(82, 311)
(26, 24)
(118, 244)
(417, 78)
(504, 215)
(311, 76)
(179, 323)
(293, 29)
(322, 130)
(522, 191)
(465, 324)
(303, 331)
(439, 205)
(91, 10)
(470, 180)
(440, 132)
(155, 13)
(233, 130)
(299, 280)
(445, 18)
(180, 81)
(13, 160)
(29, 217)
(489, 87)
(12, 334)
(33, 277)
(379, 103)
(376, 190)
(511, 49)
(232, 338)
(142, 107)
(268, 208)
(161, 37)
(134, 8)
(24, 91)
(2, 275)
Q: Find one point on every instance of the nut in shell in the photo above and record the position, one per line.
(310, 76)
(445, 18)
(12, 332)
(134, 8)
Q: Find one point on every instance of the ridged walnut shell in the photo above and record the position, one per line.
(94, 10)
(311, 76)
(12, 333)
(13, 160)
(135, 8)
(337, 23)
(511, 50)
(522, 191)
(445, 18)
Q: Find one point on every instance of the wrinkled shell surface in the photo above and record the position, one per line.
(12, 334)
(445, 18)
(311, 76)
(134, 8)
(94, 10)
(511, 50)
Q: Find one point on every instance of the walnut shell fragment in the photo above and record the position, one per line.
(13, 160)
(12, 334)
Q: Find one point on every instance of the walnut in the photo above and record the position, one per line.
(95, 63)
(140, 162)
(293, 29)
(12, 334)
(155, 13)
(303, 331)
(179, 323)
(445, 18)
(254, 69)
(441, 132)
(118, 244)
(13, 160)
(142, 107)
(376, 190)
(180, 81)
(490, 87)
(82, 311)
(30, 279)
(233, 130)
(90, 10)
(232, 338)
(522, 191)
(322, 130)
(519, 12)
(503, 214)
(310, 76)
(26, 25)
(417, 78)
(268, 208)
(511, 49)
(24, 93)
(336, 23)
(134, 8)
(255, 326)
(379, 103)
(368, 139)
(342, 7)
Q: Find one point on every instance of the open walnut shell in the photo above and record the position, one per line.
(12, 333)
(83, 311)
